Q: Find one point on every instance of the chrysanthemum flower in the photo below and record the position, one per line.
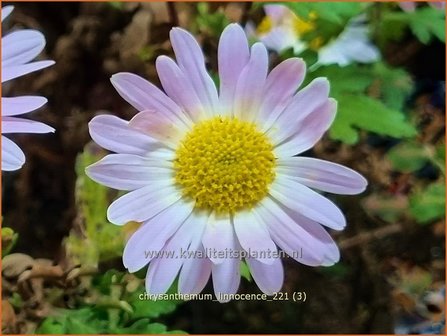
(281, 29)
(410, 6)
(18, 49)
(216, 173)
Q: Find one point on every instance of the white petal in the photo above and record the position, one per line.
(196, 269)
(15, 71)
(310, 204)
(144, 203)
(164, 269)
(150, 238)
(323, 175)
(226, 278)
(254, 237)
(269, 278)
(20, 105)
(12, 156)
(129, 172)
(219, 235)
(309, 131)
(191, 61)
(6, 11)
(180, 88)
(233, 56)
(303, 104)
(143, 95)
(114, 134)
(21, 46)
(19, 125)
(282, 82)
(250, 85)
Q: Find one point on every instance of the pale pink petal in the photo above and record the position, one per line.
(179, 88)
(143, 204)
(280, 38)
(150, 238)
(128, 171)
(6, 11)
(277, 12)
(195, 273)
(233, 56)
(21, 46)
(407, 6)
(322, 175)
(190, 59)
(114, 134)
(282, 82)
(20, 105)
(254, 236)
(250, 85)
(302, 105)
(307, 202)
(12, 156)
(269, 278)
(143, 95)
(219, 235)
(20, 125)
(437, 4)
(15, 71)
(291, 237)
(309, 131)
(226, 278)
(331, 253)
(164, 268)
(157, 126)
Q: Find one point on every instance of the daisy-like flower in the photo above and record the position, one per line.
(352, 45)
(410, 6)
(19, 48)
(215, 174)
(282, 29)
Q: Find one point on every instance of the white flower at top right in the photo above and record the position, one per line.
(351, 45)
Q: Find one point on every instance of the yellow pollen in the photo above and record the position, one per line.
(302, 27)
(225, 165)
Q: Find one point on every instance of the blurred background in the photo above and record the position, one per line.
(61, 260)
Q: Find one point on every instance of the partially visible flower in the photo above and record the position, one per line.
(410, 6)
(352, 45)
(19, 48)
(213, 174)
(282, 29)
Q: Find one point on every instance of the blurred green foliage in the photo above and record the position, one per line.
(9, 239)
(112, 306)
(95, 239)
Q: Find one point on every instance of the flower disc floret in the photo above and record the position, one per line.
(225, 165)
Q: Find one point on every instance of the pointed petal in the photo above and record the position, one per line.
(20, 105)
(191, 61)
(149, 239)
(144, 203)
(322, 175)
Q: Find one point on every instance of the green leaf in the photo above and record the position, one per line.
(245, 271)
(427, 22)
(408, 156)
(350, 79)
(51, 326)
(9, 239)
(429, 204)
(395, 85)
(335, 12)
(362, 112)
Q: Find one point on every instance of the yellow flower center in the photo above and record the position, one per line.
(225, 165)
(265, 26)
(302, 27)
